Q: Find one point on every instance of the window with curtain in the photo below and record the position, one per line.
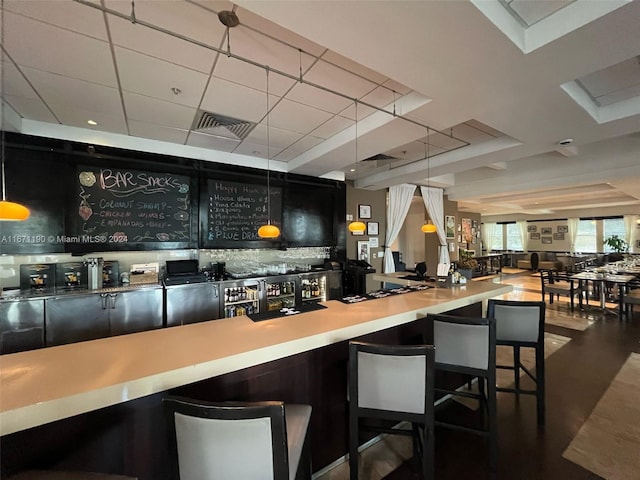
(612, 226)
(495, 241)
(514, 238)
(586, 240)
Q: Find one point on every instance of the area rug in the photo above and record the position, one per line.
(608, 443)
(504, 356)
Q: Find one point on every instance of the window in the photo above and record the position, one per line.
(496, 238)
(514, 237)
(586, 237)
(612, 226)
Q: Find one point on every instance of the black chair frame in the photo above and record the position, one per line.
(538, 346)
(422, 425)
(486, 396)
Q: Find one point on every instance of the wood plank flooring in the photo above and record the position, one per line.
(578, 375)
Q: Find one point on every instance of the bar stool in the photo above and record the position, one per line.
(521, 324)
(243, 440)
(467, 346)
(392, 383)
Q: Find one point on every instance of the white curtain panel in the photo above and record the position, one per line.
(487, 231)
(631, 231)
(572, 224)
(524, 234)
(433, 201)
(399, 202)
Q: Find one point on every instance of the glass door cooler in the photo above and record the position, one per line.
(313, 287)
(239, 298)
(281, 292)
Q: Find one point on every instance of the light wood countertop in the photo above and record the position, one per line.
(41, 386)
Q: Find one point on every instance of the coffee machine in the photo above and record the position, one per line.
(37, 276)
(71, 275)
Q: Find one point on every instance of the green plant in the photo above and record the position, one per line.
(466, 259)
(617, 244)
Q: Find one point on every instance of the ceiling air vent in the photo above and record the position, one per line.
(227, 127)
(379, 156)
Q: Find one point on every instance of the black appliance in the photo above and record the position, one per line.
(180, 272)
(110, 273)
(355, 277)
(37, 276)
(219, 270)
(70, 275)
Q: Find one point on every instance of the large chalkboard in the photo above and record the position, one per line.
(235, 211)
(123, 206)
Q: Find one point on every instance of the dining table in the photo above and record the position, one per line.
(621, 281)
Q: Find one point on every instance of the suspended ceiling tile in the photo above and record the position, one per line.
(236, 101)
(57, 90)
(318, 98)
(619, 96)
(243, 73)
(158, 112)
(77, 117)
(298, 148)
(330, 76)
(278, 137)
(155, 78)
(297, 117)
(332, 126)
(38, 45)
(351, 66)
(209, 141)
(14, 82)
(472, 133)
(612, 79)
(150, 42)
(397, 87)
(31, 108)
(381, 97)
(66, 14)
(157, 132)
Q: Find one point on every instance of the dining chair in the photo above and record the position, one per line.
(467, 345)
(520, 324)
(388, 385)
(556, 284)
(243, 440)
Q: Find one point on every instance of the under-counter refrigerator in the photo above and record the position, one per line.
(321, 286)
(191, 303)
(240, 297)
(281, 291)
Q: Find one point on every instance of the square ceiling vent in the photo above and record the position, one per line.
(222, 126)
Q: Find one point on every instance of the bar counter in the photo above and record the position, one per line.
(53, 394)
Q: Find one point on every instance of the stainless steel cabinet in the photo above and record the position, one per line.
(21, 325)
(77, 318)
(191, 303)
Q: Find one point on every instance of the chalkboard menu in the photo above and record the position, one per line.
(237, 210)
(120, 206)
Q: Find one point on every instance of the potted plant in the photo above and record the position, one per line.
(617, 244)
(466, 263)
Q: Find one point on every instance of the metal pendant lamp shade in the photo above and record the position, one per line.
(357, 226)
(268, 230)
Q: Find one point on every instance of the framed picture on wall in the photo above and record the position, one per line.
(363, 251)
(450, 226)
(534, 236)
(563, 229)
(372, 228)
(558, 236)
(364, 211)
(547, 240)
(546, 230)
(532, 228)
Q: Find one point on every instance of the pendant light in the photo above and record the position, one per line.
(428, 227)
(268, 230)
(357, 226)
(9, 211)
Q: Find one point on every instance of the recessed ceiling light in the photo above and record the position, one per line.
(352, 170)
(92, 122)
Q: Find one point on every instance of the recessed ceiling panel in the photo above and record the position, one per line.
(297, 117)
(157, 132)
(152, 111)
(234, 100)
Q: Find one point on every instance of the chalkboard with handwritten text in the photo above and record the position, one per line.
(124, 206)
(235, 211)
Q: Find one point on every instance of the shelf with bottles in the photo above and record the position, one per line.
(240, 295)
(239, 309)
(281, 289)
(278, 303)
(313, 289)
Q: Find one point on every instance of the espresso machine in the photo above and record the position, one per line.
(71, 275)
(37, 276)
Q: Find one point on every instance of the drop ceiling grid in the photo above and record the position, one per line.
(158, 112)
(157, 132)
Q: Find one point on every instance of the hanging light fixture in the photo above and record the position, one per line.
(9, 211)
(357, 225)
(268, 230)
(428, 226)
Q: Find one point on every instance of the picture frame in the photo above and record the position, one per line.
(459, 238)
(358, 232)
(547, 240)
(363, 251)
(372, 228)
(364, 211)
(534, 235)
(532, 228)
(546, 230)
(450, 226)
(558, 236)
(563, 229)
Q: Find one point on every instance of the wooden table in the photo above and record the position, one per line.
(601, 279)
